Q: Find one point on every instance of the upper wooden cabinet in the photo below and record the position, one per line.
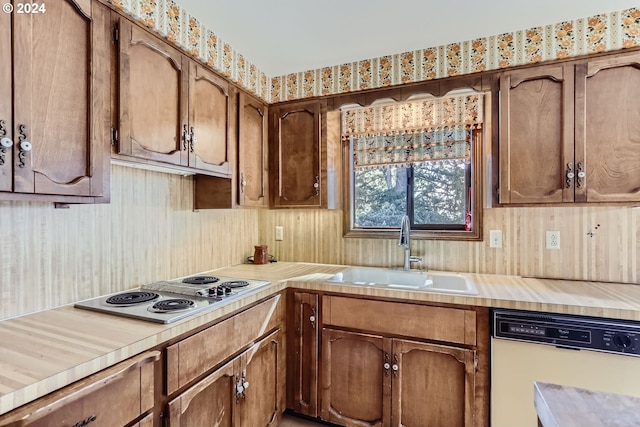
(608, 129)
(296, 146)
(55, 77)
(172, 110)
(569, 132)
(252, 152)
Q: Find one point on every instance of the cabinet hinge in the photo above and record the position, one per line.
(114, 136)
(475, 362)
(115, 35)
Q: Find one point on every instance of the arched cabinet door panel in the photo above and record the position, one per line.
(608, 128)
(295, 154)
(153, 79)
(61, 87)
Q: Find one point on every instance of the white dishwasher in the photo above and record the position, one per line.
(588, 352)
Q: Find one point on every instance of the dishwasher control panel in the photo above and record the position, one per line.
(563, 330)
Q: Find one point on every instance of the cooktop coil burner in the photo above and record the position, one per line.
(235, 283)
(200, 280)
(172, 305)
(132, 298)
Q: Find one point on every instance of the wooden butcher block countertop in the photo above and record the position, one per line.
(45, 351)
(562, 406)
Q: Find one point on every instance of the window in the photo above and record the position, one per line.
(419, 158)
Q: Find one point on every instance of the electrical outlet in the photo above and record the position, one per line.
(279, 233)
(553, 239)
(495, 238)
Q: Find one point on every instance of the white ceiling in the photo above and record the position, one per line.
(285, 36)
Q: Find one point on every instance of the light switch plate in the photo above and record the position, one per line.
(495, 238)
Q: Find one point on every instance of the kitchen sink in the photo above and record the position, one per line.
(428, 281)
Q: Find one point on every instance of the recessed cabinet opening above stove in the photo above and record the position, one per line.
(169, 301)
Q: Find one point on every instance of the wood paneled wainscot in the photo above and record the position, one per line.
(173, 111)
(569, 132)
(113, 397)
(242, 360)
(399, 364)
(54, 130)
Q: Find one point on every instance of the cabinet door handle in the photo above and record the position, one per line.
(185, 137)
(243, 182)
(387, 364)
(570, 175)
(581, 174)
(86, 421)
(5, 142)
(193, 139)
(316, 185)
(395, 366)
(24, 146)
(312, 318)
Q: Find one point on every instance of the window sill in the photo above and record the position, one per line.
(469, 236)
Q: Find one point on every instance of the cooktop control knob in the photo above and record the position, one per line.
(622, 340)
(212, 291)
(227, 290)
(220, 291)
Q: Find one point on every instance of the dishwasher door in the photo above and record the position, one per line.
(515, 365)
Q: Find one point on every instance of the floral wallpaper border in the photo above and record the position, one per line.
(599, 33)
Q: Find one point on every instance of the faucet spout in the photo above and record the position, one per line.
(405, 242)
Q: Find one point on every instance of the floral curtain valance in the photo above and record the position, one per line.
(412, 132)
(407, 117)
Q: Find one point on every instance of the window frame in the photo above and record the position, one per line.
(475, 234)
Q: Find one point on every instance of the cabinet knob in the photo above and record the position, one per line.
(6, 142)
(386, 365)
(316, 185)
(312, 318)
(245, 385)
(581, 174)
(570, 175)
(25, 146)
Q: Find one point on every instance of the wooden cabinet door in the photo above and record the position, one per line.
(252, 151)
(356, 388)
(261, 403)
(60, 99)
(212, 401)
(209, 127)
(153, 97)
(608, 129)
(302, 364)
(536, 135)
(6, 115)
(296, 153)
(434, 385)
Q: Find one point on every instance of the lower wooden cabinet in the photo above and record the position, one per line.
(370, 380)
(113, 397)
(302, 342)
(245, 392)
(355, 389)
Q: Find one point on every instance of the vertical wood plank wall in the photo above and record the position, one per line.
(612, 254)
(50, 257)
